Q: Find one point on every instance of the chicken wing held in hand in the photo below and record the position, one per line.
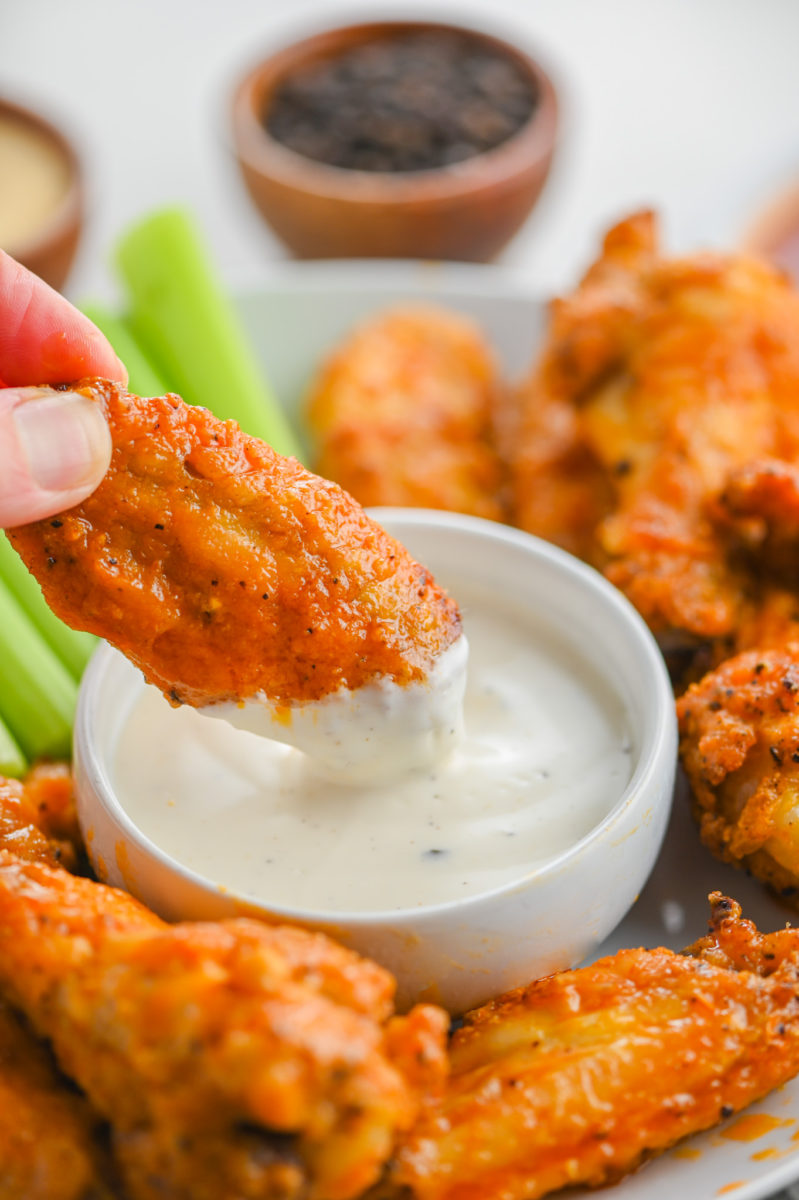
(580, 1077)
(404, 413)
(223, 570)
(232, 1060)
(229, 574)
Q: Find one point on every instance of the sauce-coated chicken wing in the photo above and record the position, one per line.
(50, 1142)
(580, 1077)
(559, 488)
(673, 386)
(404, 413)
(233, 1060)
(225, 571)
(739, 744)
(38, 820)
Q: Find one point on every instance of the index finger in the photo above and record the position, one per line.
(43, 338)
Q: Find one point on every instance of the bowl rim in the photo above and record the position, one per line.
(525, 150)
(68, 210)
(656, 753)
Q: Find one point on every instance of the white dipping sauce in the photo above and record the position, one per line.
(546, 755)
(372, 733)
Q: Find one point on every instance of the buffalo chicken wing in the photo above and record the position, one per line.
(580, 1077)
(226, 572)
(232, 1060)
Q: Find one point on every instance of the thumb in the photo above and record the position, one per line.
(55, 448)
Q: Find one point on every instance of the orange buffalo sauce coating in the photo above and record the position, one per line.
(230, 1058)
(404, 413)
(38, 821)
(223, 570)
(580, 1077)
(51, 1144)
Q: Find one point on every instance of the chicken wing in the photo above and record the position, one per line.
(404, 413)
(225, 571)
(739, 744)
(50, 1142)
(678, 382)
(580, 1077)
(232, 1060)
(559, 486)
(38, 821)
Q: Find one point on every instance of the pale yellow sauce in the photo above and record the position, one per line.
(34, 179)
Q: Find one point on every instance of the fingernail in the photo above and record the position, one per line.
(65, 439)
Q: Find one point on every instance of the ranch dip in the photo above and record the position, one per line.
(545, 755)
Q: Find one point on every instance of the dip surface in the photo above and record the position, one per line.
(546, 755)
(35, 179)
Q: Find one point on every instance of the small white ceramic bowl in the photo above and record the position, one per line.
(462, 952)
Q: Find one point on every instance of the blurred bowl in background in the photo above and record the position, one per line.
(41, 193)
(774, 232)
(466, 210)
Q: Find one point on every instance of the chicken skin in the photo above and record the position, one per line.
(580, 1077)
(232, 1060)
(674, 388)
(226, 572)
(404, 413)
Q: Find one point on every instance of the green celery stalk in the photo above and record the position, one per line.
(188, 326)
(143, 379)
(72, 647)
(12, 760)
(37, 693)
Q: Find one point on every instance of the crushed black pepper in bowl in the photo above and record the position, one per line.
(396, 139)
(409, 103)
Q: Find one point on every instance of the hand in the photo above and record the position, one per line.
(54, 448)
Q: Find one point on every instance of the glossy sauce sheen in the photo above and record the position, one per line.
(546, 755)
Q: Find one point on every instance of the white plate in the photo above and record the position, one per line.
(294, 317)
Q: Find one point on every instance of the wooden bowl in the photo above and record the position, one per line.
(467, 211)
(50, 250)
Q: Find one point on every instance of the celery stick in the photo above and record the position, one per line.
(142, 375)
(12, 760)
(188, 326)
(37, 693)
(73, 648)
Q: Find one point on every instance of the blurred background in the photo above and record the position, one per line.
(691, 107)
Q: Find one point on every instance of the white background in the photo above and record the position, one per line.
(690, 105)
